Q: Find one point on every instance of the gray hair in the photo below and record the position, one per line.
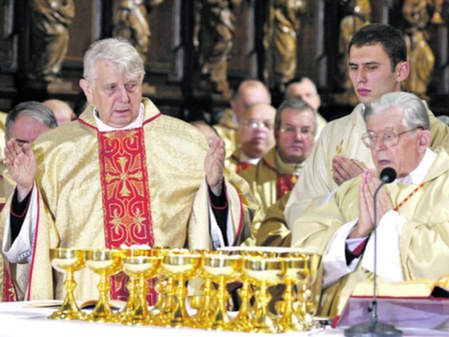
(296, 104)
(415, 111)
(117, 51)
(32, 109)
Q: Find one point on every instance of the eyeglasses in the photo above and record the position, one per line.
(258, 124)
(293, 131)
(389, 137)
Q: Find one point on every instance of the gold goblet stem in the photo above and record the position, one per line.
(179, 315)
(127, 312)
(102, 311)
(205, 311)
(261, 321)
(69, 309)
(141, 312)
(220, 319)
(289, 320)
(243, 319)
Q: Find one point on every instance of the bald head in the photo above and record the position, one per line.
(305, 90)
(61, 109)
(249, 93)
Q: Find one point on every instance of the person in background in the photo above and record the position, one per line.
(256, 137)
(306, 90)
(248, 93)
(24, 123)
(63, 112)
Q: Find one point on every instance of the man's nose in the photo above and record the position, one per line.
(123, 94)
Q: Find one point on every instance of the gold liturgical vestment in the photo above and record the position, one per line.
(341, 137)
(104, 189)
(423, 241)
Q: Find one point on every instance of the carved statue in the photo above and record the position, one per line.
(214, 35)
(280, 41)
(359, 16)
(422, 59)
(131, 22)
(49, 36)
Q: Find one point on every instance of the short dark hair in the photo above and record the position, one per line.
(389, 37)
(35, 110)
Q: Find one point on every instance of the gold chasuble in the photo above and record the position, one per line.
(97, 189)
(270, 180)
(423, 240)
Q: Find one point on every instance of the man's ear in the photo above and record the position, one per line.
(402, 71)
(424, 139)
(84, 84)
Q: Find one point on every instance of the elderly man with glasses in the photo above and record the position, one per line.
(412, 219)
(256, 137)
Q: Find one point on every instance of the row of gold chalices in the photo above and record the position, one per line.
(256, 271)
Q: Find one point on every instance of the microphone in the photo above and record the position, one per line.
(387, 175)
(373, 327)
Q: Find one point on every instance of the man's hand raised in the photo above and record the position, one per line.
(214, 165)
(21, 164)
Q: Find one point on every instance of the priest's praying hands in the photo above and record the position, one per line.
(344, 169)
(367, 188)
(21, 164)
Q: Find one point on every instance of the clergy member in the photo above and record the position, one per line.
(255, 136)
(123, 174)
(412, 217)
(248, 93)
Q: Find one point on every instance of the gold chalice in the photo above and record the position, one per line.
(164, 286)
(295, 272)
(310, 289)
(180, 267)
(139, 269)
(263, 272)
(67, 260)
(105, 262)
(221, 268)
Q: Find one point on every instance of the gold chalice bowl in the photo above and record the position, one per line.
(221, 268)
(104, 262)
(180, 267)
(139, 269)
(67, 260)
(263, 272)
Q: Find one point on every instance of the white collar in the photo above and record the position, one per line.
(245, 159)
(417, 176)
(137, 123)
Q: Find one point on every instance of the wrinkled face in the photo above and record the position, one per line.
(405, 156)
(26, 129)
(247, 97)
(255, 131)
(371, 72)
(296, 138)
(305, 91)
(115, 95)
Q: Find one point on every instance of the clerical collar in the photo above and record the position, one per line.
(245, 159)
(417, 176)
(137, 123)
(289, 168)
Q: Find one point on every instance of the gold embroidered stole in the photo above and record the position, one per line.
(125, 196)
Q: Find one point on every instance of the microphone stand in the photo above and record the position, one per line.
(374, 328)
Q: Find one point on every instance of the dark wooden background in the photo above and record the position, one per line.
(172, 66)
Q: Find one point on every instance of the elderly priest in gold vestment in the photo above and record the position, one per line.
(412, 212)
(123, 174)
